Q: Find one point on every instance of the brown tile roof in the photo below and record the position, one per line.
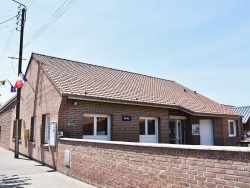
(8, 105)
(86, 80)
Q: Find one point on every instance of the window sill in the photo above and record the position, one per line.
(233, 137)
(32, 142)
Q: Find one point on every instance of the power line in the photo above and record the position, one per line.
(60, 11)
(29, 5)
(6, 16)
(7, 45)
(4, 27)
(7, 31)
(6, 68)
(29, 8)
(8, 19)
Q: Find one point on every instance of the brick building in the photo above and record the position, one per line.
(245, 112)
(6, 116)
(84, 101)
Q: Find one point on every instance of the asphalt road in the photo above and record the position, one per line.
(22, 172)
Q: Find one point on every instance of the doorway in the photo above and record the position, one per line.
(175, 131)
(206, 132)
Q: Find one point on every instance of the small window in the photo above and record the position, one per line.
(96, 126)
(46, 135)
(232, 128)
(33, 129)
(19, 129)
(147, 126)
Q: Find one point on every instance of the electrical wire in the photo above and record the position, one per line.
(6, 16)
(7, 31)
(57, 14)
(7, 45)
(4, 27)
(30, 8)
(29, 5)
(13, 66)
(8, 19)
(6, 68)
(27, 2)
(60, 11)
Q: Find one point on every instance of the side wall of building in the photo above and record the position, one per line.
(109, 164)
(120, 130)
(5, 129)
(38, 98)
(220, 129)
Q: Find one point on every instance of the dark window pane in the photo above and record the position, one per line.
(231, 128)
(88, 125)
(172, 133)
(142, 127)
(151, 127)
(102, 125)
(32, 129)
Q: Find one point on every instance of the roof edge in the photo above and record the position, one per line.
(115, 101)
(42, 68)
(98, 99)
(7, 103)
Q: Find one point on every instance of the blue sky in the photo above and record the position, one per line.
(201, 44)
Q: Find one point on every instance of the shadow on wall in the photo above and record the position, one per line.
(13, 181)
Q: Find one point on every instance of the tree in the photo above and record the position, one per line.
(2, 83)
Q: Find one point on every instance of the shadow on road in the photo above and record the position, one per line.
(13, 181)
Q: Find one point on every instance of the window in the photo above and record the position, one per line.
(19, 129)
(46, 137)
(147, 126)
(96, 126)
(45, 129)
(33, 129)
(232, 128)
(148, 129)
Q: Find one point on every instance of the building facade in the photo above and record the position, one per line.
(70, 99)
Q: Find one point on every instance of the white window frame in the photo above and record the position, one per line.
(34, 129)
(95, 136)
(46, 134)
(234, 128)
(147, 137)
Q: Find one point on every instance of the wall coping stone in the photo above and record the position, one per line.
(157, 145)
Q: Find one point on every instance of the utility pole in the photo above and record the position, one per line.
(19, 89)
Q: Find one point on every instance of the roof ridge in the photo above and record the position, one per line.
(105, 67)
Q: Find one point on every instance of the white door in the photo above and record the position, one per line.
(148, 130)
(206, 132)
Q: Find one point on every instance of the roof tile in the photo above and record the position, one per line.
(84, 79)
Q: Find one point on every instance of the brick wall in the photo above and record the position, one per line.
(247, 126)
(121, 131)
(5, 132)
(129, 131)
(220, 128)
(38, 97)
(107, 164)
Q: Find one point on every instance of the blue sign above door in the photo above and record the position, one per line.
(126, 118)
